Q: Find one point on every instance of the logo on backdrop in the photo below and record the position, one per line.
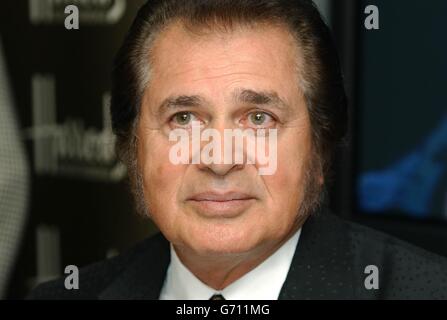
(70, 148)
(91, 12)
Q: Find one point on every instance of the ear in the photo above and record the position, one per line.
(137, 146)
(321, 180)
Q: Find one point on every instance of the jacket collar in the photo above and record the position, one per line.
(321, 267)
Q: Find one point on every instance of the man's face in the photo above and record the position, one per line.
(221, 81)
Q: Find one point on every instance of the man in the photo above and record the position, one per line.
(227, 231)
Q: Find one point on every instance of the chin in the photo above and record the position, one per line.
(222, 241)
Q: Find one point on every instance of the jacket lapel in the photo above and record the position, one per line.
(322, 267)
(144, 276)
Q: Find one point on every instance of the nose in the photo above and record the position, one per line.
(221, 169)
(227, 150)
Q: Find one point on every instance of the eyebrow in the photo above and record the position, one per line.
(178, 102)
(247, 96)
(263, 98)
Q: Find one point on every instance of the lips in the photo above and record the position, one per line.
(221, 197)
(221, 205)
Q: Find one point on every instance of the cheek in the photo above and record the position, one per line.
(287, 184)
(292, 157)
(161, 178)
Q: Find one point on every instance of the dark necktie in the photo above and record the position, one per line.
(217, 297)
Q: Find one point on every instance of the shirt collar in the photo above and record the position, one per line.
(262, 283)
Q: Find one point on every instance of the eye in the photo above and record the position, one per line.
(183, 119)
(260, 119)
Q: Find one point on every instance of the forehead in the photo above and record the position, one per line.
(262, 57)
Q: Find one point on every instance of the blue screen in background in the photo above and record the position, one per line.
(402, 111)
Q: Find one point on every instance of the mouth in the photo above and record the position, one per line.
(221, 197)
(223, 205)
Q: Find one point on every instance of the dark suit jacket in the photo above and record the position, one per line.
(329, 263)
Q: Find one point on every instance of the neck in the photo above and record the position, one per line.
(219, 271)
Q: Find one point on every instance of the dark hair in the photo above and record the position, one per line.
(321, 77)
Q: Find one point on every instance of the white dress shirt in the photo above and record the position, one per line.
(262, 283)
